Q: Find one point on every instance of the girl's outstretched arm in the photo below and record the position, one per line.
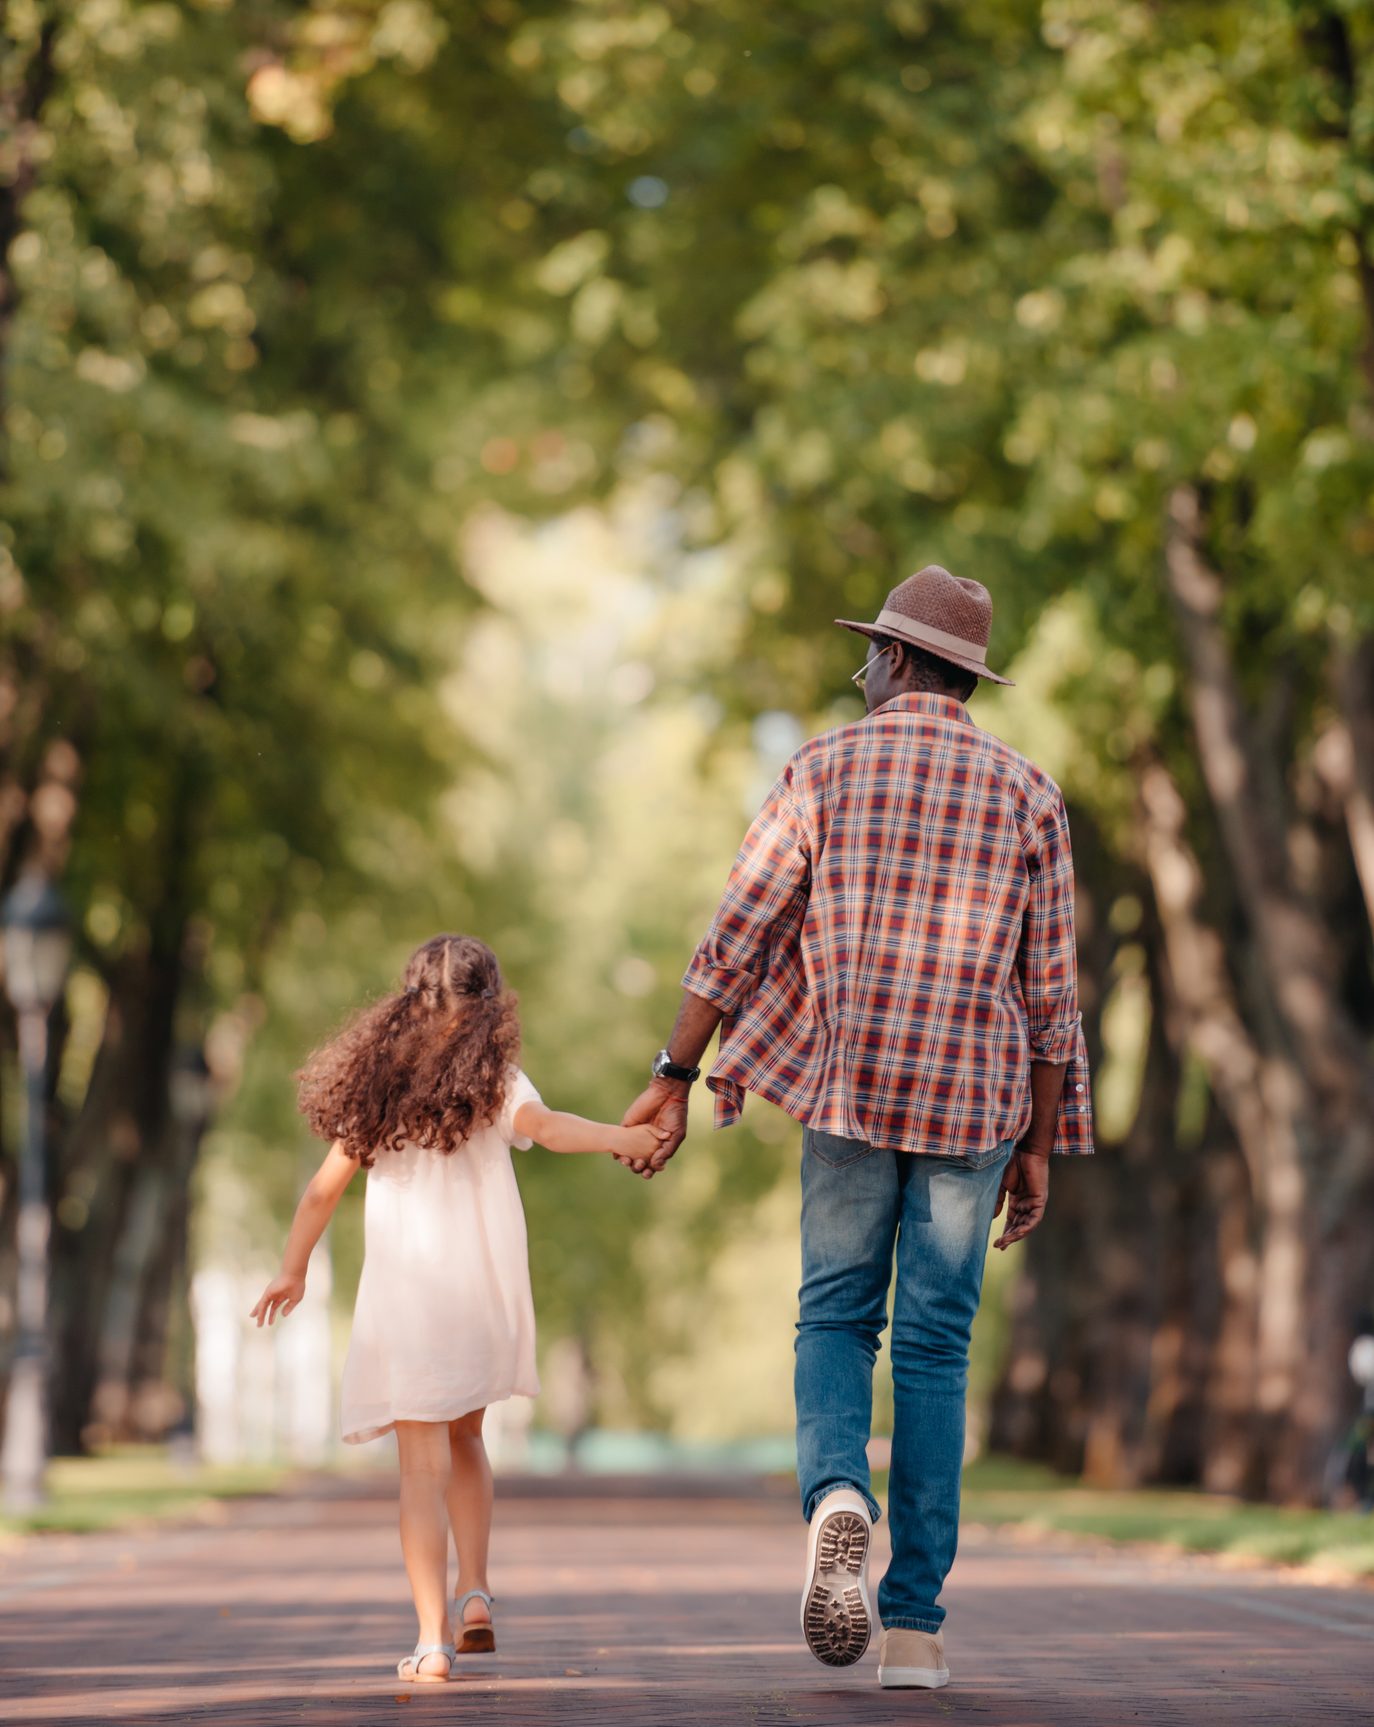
(323, 1192)
(556, 1130)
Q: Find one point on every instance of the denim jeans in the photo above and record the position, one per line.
(859, 1204)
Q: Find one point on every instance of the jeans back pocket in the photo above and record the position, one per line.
(833, 1150)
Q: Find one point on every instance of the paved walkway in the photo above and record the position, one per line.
(643, 1603)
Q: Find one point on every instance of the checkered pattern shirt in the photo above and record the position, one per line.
(895, 944)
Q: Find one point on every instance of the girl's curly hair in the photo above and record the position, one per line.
(427, 1065)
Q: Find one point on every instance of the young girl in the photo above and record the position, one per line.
(423, 1092)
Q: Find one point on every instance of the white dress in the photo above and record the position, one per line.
(444, 1321)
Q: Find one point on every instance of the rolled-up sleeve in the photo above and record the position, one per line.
(1048, 958)
(1073, 1129)
(1047, 961)
(771, 874)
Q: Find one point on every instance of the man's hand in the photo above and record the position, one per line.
(1025, 1190)
(662, 1104)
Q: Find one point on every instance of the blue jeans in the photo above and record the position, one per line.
(859, 1204)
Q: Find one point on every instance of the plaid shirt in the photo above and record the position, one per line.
(895, 944)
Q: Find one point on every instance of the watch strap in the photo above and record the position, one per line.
(666, 1068)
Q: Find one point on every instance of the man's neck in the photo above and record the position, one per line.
(941, 695)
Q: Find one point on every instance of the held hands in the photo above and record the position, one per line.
(1025, 1190)
(662, 1106)
(637, 1146)
(281, 1295)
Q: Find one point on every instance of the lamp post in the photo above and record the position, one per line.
(37, 946)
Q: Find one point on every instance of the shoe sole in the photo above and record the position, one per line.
(837, 1621)
(913, 1678)
(477, 1640)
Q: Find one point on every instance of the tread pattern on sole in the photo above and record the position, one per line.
(836, 1621)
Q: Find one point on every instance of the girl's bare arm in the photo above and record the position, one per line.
(322, 1194)
(556, 1130)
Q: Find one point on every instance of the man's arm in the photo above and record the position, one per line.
(1047, 958)
(771, 873)
(1048, 963)
(1046, 1085)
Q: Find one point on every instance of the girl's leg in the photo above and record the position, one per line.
(424, 1452)
(469, 1509)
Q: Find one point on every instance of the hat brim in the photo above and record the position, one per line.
(912, 639)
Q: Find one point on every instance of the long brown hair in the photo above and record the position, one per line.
(427, 1064)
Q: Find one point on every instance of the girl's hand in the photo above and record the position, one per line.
(280, 1296)
(637, 1144)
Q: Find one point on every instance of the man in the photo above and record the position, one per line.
(893, 964)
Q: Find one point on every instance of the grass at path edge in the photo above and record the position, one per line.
(1002, 1492)
(135, 1484)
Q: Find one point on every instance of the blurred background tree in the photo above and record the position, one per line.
(311, 316)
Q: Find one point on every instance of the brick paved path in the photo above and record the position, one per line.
(643, 1603)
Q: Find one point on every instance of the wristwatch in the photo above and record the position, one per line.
(666, 1068)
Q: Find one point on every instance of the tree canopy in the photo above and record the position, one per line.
(310, 316)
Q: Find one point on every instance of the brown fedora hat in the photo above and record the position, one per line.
(949, 616)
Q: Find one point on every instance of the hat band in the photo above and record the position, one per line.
(897, 622)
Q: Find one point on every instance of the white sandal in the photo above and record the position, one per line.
(422, 1652)
(479, 1639)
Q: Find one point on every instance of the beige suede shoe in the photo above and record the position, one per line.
(912, 1659)
(836, 1613)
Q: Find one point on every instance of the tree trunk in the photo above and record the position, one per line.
(157, 1401)
(1250, 1088)
(1142, 1217)
(1064, 1395)
(140, 1245)
(1315, 1079)
(1171, 1445)
(120, 1124)
(1294, 951)
(124, 1139)
(1229, 1458)
(1345, 758)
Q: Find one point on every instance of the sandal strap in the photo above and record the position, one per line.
(422, 1651)
(473, 1595)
